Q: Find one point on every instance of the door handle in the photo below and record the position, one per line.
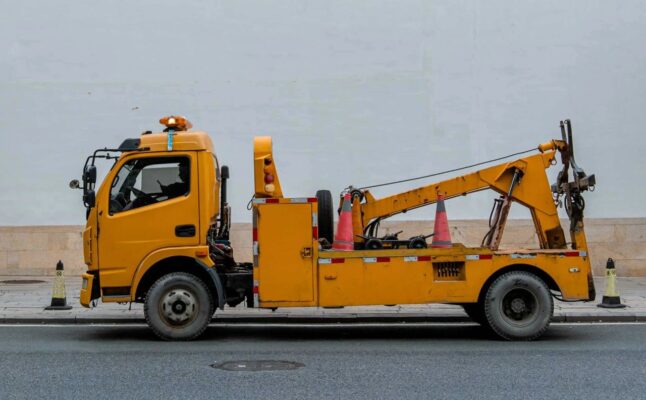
(185, 230)
(306, 252)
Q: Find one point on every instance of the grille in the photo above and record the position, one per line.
(449, 271)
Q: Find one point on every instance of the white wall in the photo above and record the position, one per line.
(354, 92)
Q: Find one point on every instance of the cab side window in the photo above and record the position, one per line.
(145, 181)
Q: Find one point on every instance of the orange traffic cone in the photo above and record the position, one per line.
(441, 236)
(343, 239)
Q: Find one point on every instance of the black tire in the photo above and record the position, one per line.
(178, 306)
(476, 312)
(326, 216)
(417, 243)
(518, 306)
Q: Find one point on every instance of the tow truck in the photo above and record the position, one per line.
(158, 227)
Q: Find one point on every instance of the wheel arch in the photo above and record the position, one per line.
(181, 264)
(547, 278)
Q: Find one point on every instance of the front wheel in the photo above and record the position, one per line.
(178, 306)
(518, 306)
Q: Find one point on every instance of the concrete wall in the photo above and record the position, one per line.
(35, 250)
(354, 92)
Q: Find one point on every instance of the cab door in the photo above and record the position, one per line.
(285, 253)
(152, 203)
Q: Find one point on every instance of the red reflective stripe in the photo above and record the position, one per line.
(315, 232)
(571, 254)
(254, 234)
(272, 200)
(383, 259)
(485, 256)
(255, 289)
(424, 258)
(311, 200)
(338, 260)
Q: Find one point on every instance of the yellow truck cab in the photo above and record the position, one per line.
(158, 226)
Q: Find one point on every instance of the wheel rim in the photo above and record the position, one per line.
(519, 307)
(178, 306)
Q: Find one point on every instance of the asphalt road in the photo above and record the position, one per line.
(338, 362)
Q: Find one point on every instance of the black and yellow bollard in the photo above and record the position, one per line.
(59, 298)
(611, 299)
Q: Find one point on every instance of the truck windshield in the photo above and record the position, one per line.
(121, 176)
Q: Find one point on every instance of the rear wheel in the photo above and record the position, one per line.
(518, 306)
(326, 216)
(178, 306)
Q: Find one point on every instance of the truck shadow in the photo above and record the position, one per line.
(436, 332)
(351, 332)
(331, 332)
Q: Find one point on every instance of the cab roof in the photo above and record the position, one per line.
(182, 141)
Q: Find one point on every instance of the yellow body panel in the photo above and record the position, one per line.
(285, 267)
(127, 237)
(358, 279)
(88, 236)
(392, 276)
(162, 254)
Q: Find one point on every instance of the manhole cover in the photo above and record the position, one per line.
(258, 365)
(21, 281)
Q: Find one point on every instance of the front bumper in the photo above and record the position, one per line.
(89, 289)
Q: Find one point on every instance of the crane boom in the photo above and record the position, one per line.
(523, 181)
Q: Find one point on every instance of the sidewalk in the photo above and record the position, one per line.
(22, 302)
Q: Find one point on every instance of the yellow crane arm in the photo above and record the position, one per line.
(532, 190)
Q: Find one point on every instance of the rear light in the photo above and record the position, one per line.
(269, 175)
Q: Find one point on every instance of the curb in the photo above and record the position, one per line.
(331, 320)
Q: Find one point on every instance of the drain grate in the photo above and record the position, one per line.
(21, 281)
(257, 365)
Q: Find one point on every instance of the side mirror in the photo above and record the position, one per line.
(224, 172)
(74, 184)
(89, 199)
(89, 175)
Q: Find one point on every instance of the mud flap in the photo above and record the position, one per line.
(216, 283)
(592, 293)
